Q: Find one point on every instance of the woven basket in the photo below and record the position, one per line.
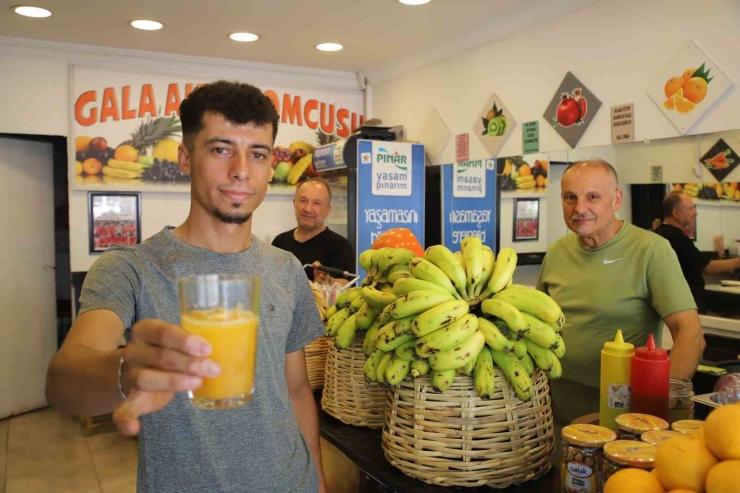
(317, 350)
(346, 395)
(457, 439)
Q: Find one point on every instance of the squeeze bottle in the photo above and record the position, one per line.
(616, 374)
(651, 371)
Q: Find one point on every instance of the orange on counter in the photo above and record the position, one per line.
(722, 432)
(684, 462)
(723, 478)
(633, 480)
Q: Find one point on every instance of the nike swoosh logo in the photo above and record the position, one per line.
(607, 262)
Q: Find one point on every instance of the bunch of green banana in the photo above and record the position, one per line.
(385, 266)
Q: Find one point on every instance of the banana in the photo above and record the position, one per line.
(397, 272)
(560, 350)
(493, 336)
(330, 312)
(396, 371)
(441, 380)
(385, 316)
(332, 325)
(127, 165)
(377, 254)
(466, 369)
(416, 302)
(427, 271)
(483, 375)
(527, 363)
(557, 370)
(446, 337)
(396, 256)
(346, 333)
(442, 257)
(525, 179)
(461, 258)
(489, 262)
(419, 368)
(347, 296)
(506, 331)
(472, 250)
(506, 312)
(121, 173)
(366, 316)
(385, 288)
(531, 301)
(368, 345)
(356, 304)
(380, 375)
(520, 349)
(558, 326)
(438, 316)
(406, 351)
(371, 366)
(394, 334)
(515, 374)
(542, 357)
(409, 284)
(376, 298)
(540, 333)
(366, 259)
(502, 272)
(526, 184)
(460, 355)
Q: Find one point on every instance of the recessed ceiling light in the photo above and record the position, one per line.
(244, 37)
(329, 47)
(27, 11)
(414, 2)
(147, 25)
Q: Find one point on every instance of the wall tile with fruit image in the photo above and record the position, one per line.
(687, 87)
(720, 160)
(494, 125)
(572, 109)
(728, 191)
(523, 175)
(294, 163)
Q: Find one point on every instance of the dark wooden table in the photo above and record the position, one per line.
(363, 447)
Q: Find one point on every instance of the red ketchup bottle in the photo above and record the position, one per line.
(651, 370)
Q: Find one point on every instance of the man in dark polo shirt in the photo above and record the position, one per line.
(679, 211)
(312, 242)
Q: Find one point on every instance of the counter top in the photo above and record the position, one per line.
(363, 446)
(722, 289)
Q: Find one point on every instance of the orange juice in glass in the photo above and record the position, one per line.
(223, 310)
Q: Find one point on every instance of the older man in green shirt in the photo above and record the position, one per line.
(612, 275)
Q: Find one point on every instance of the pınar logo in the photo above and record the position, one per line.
(464, 166)
(386, 157)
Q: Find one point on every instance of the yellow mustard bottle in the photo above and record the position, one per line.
(616, 391)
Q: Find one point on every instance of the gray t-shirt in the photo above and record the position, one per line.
(256, 448)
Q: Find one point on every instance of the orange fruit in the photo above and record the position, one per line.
(92, 166)
(126, 153)
(723, 478)
(673, 85)
(682, 104)
(684, 462)
(695, 89)
(82, 143)
(635, 480)
(668, 104)
(525, 170)
(688, 73)
(722, 432)
(682, 490)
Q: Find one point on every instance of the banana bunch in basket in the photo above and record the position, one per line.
(449, 314)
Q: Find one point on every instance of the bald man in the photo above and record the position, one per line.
(612, 275)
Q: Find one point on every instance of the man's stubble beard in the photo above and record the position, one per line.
(231, 219)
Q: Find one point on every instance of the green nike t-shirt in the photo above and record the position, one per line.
(632, 283)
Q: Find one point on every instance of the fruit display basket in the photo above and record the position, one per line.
(346, 395)
(455, 438)
(317, 350)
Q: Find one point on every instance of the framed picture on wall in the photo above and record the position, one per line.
(526, 219)
(114, 219)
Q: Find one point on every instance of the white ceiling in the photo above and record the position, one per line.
(382, 38)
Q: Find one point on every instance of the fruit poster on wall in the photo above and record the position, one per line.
(709, 191)
(572, 109)
(720, 160)
(493, 125)
(688, 87)
(127, 130)
(523, 175)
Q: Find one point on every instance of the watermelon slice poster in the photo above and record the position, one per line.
(127, 130)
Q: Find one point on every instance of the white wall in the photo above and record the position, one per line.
(35, 99)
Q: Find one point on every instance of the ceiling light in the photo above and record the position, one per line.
(414, 2)
(31, 11)
(329, 47)
(244, 37)
(147, 25)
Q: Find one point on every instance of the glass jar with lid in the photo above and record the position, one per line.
(631, 426)
(621, 454)
(687, 426)
(657, 437)
(680, 405)
(582, 467)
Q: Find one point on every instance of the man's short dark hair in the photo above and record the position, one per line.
(238, 102)
(315, 180)
(670, 203)
(599, 162)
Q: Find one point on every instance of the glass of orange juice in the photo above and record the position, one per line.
(223, 310)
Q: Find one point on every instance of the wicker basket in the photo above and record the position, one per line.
(316, 361)
(457, 439)
(346, 395)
